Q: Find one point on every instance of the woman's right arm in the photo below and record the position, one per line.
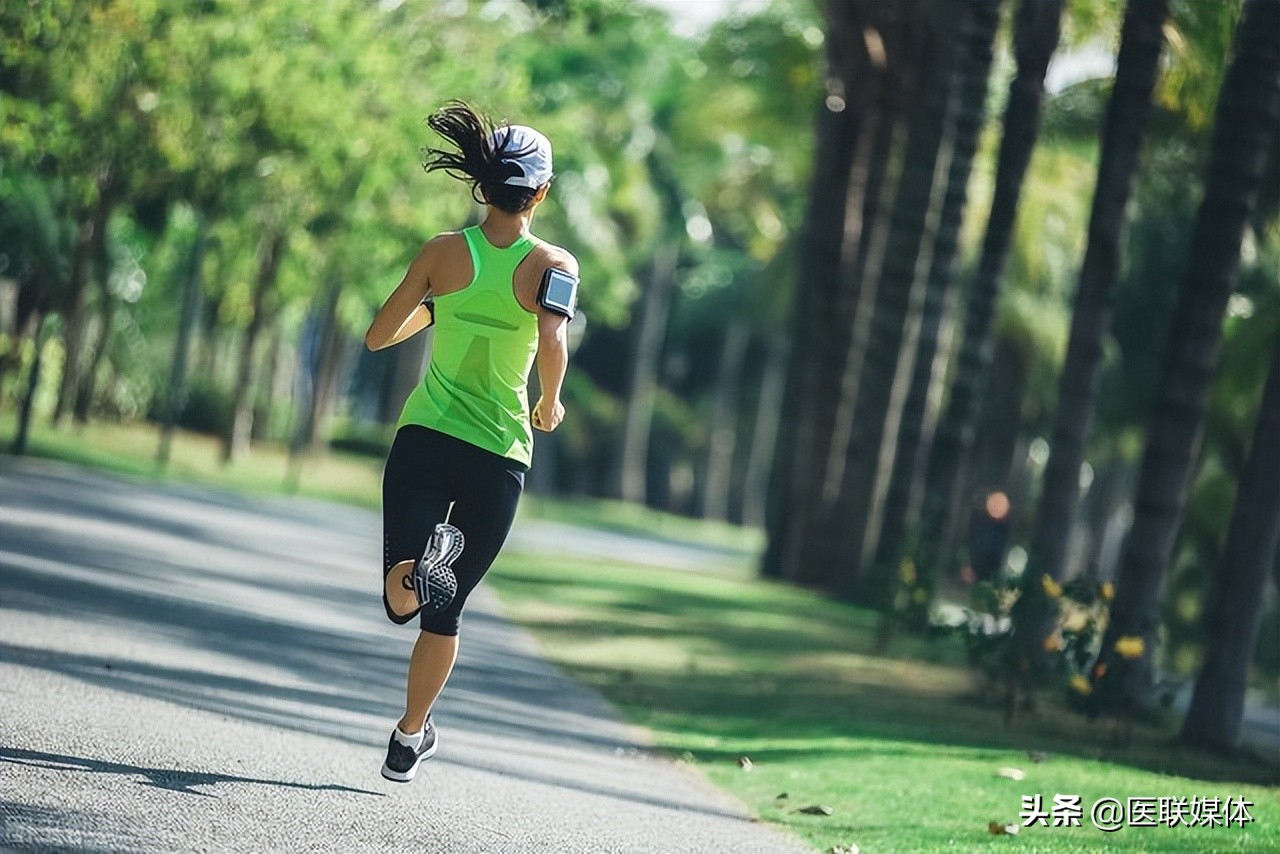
(403, 315)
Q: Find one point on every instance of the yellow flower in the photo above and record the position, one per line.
(1107, 591)
(1081, 685)
(1053, 642)
(1052, 589)
(908, 571)
(1130, 647)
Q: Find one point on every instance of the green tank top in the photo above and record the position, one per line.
(475, 388)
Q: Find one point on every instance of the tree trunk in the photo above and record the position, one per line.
(75, 317)
(1136, 70)
(331, 350)
(724, 423)
(236, 441)
(264, 403)
(914, 217)
(764, 436)
(634, 458)
(86, 386)
(22, 439)
(896, 478)
(850, 154)
(805, 434)
(1235, 600)
(176, 393)
(1036, 32)
(1244, 131)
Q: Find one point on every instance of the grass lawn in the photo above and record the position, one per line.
(130, 449)
(900, 748)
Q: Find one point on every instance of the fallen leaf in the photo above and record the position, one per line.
(1012, 773)
(1012, 829)
(744, 762)
(815, 809)
(995, 828)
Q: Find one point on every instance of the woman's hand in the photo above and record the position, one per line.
(547, 416)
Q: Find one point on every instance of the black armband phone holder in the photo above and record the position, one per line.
(558, 292)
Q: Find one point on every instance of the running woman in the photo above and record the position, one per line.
(463, 443)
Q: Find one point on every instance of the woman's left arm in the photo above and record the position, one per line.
(403, 315)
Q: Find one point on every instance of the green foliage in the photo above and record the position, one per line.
(207, 408)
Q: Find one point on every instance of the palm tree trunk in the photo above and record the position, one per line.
(817, 264)
(718, 483)
(764, 435)
(1036, 33)
(914, 215)
(1235, 601)
(1136, 69)
(896, 480)
(1244, 132)
(854, 131)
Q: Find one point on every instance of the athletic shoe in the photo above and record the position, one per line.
(403, 758)
(433, 580)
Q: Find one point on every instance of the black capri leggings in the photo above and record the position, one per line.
(426, 473)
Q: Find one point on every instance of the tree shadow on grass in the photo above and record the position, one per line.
(783, 688)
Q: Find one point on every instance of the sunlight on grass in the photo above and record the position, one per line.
(130, 449)
(901, 748)
(627, 518)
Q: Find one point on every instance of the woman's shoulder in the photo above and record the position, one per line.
(547, 254)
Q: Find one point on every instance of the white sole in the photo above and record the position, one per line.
(407, 776)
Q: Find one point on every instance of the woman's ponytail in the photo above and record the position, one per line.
(477, 161)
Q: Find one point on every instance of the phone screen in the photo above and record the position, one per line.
(561, 292)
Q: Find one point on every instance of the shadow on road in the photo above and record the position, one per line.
(228, 627)
(162, 778)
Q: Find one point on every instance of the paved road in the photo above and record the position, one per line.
(186, 670)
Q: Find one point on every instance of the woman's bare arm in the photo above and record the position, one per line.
(403, 315)
(553, 359)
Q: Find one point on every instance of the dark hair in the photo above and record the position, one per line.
(477, 160)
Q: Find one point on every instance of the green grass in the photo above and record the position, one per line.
(130, 450)
(627, 518)
(900, 747)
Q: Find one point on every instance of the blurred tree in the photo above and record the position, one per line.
(1137, 67)
(1245, 127)
(1035, 36)
(888, 492)
(872, 71)
(1235, 601)
(913, 221)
